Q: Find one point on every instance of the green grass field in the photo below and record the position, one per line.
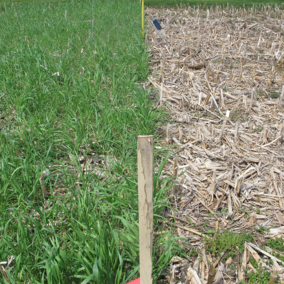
(67, 95)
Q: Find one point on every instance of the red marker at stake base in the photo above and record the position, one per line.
(136, 281)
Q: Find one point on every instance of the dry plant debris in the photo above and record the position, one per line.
(219, 73)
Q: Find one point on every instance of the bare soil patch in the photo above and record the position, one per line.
(220, 74)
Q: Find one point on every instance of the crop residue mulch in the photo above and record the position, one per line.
(219, 72)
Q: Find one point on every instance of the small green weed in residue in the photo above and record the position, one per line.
(261, 276)
(277, 245)
(227, 241)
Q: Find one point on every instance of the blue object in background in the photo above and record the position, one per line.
(157, 24)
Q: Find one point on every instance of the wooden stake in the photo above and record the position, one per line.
(145, 191)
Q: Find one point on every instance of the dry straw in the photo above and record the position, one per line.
(220, 73)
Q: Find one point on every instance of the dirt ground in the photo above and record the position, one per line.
(219, 73)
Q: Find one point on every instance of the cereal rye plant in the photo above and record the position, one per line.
(67, 96)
